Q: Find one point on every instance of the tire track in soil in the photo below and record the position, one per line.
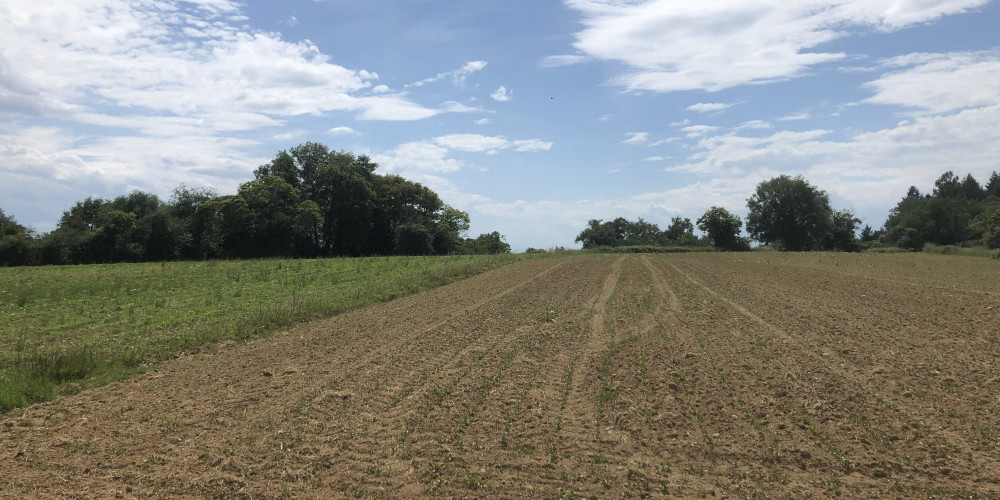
(576, 415)
(405, 437)
(231, 395)
(500, 403)
(753, 379)
(960, 405)
(855, 391)
(745, 449)
(313, 412)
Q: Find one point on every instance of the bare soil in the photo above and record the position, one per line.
(687, 376)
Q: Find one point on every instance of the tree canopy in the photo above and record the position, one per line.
(790, 212)
(723, 228)
(307, 201)
(622, 232)
(958, 211)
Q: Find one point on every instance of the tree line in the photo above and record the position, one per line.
(789, 213)
(308, 201)
(958, 211)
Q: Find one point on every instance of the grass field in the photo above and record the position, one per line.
(714, 375)
(71, 327)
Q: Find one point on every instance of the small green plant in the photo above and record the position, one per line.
(550, 316)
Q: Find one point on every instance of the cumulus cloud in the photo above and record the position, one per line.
(699, 130)
(802, 115)
(432, 156)
(472, 143)
(708, 107)
(148, 94)
(563, 60)
(482, 121)
(135, 58)
(753, 125)
(337, 131)
(531, 145)
(636, 138)
(417, 157)
(671, 45)
(940, 83)
(476, 143)
(867, 167)
(502, 94)
(457, 76)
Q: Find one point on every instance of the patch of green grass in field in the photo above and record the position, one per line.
(965, 251)
(67, 328)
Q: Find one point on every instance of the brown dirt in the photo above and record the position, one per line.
(691, 376)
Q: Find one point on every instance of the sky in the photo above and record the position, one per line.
(532, 116)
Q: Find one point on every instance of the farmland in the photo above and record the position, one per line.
(68, 327)
(753, 375)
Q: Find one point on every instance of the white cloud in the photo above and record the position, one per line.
(415, 158)
(869, 169)
(138, 59)
(472, 143)
(666, 140)
(476, 143)
(502, 94)
(753, 125)
(482, 121)
(940, 83)
(802, 115)
(708, 107)
(427, 161)
(457, 107)
(393, 108)
(671, 45)
(655, 158)
(149, 94)
(636, 138)
(531, 145)
(699, 130)
(457, 76)
(45, 169)
(563, 60)
(337, 131)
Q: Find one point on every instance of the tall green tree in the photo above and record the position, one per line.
(597, 234)
(948, 186)
(679, 229)
(947, 217)
(842, 235)
(790, 212)
(723, 228)
(487, 244)
(16, 242)
(993, 186)
(449, 230)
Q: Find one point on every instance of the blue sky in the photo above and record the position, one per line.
(532, 116)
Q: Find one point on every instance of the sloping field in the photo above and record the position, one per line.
(695, 376)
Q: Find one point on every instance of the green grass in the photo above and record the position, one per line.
(965, 251)
(68, 328)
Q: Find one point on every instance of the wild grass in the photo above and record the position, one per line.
(68, 328)
(965, 251)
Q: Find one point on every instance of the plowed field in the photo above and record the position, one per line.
(694, 376)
